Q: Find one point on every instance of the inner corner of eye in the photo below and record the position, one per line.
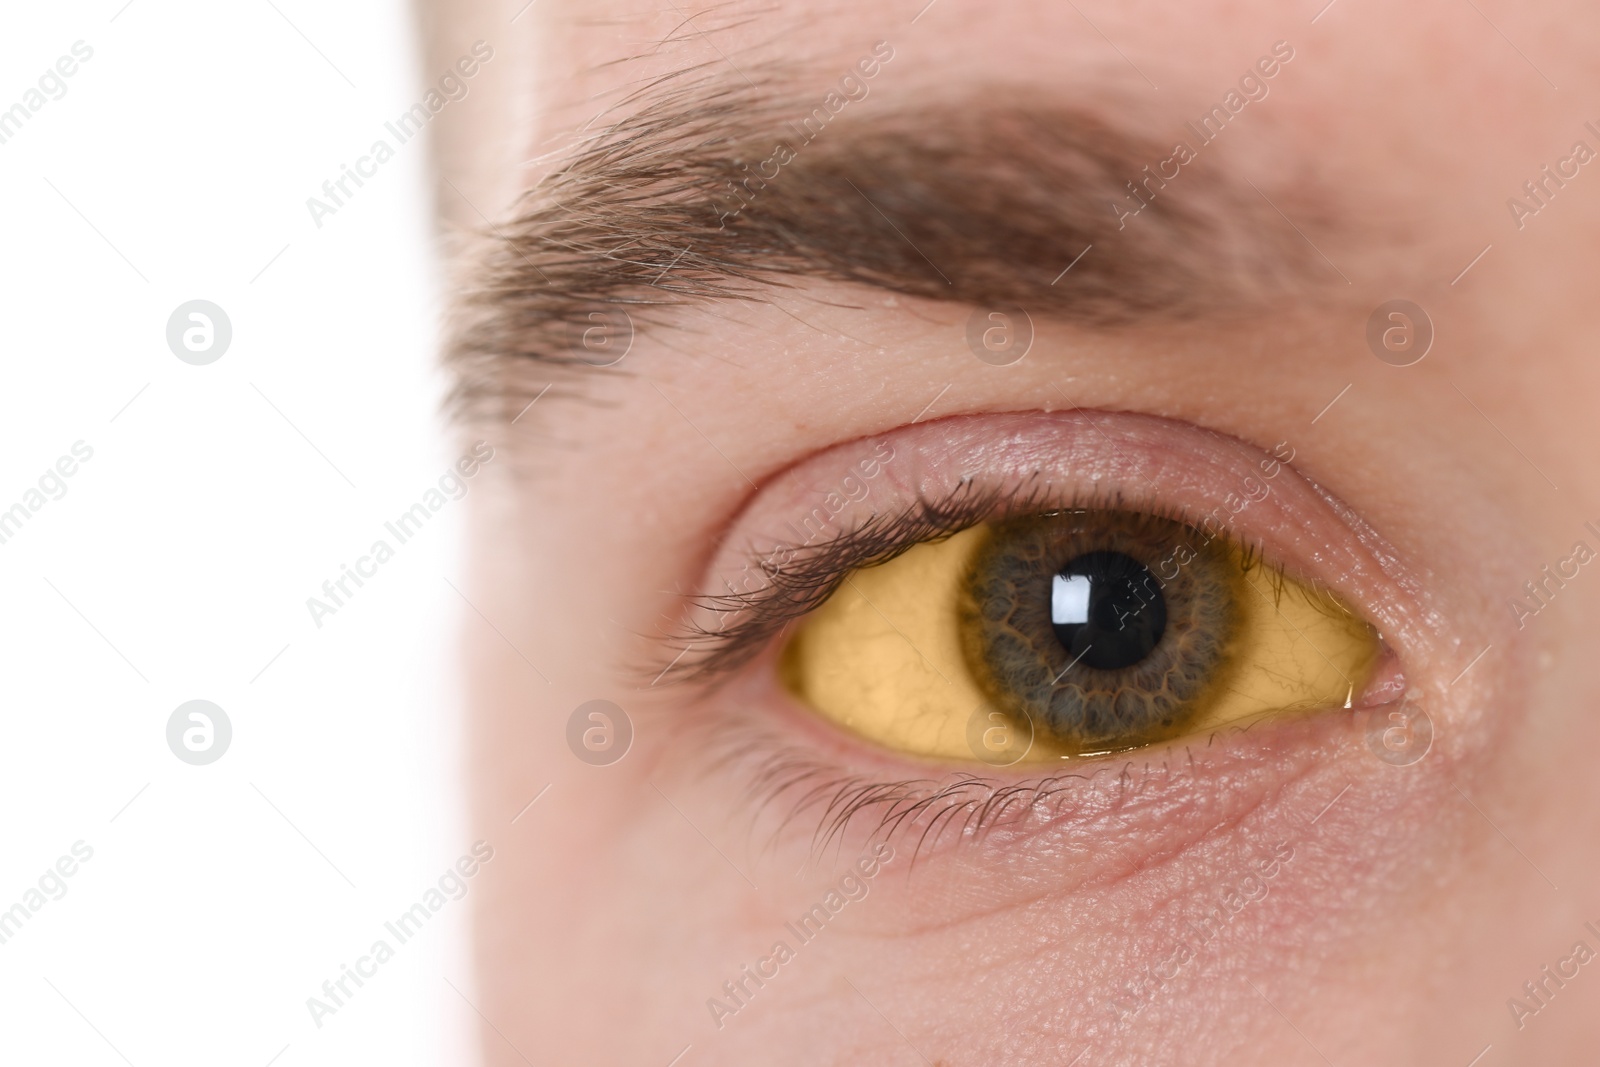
(1070, 634)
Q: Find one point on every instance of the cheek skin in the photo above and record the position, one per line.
(1001, 951)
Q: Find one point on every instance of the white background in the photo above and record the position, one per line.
(219, 498)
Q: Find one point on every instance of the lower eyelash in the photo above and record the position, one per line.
(778, 776)
(844, 798)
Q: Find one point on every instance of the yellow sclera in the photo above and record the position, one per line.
(883, 657)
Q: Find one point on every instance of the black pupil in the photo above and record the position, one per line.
(1107, 610)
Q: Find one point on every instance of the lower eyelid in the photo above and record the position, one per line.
(811, 789)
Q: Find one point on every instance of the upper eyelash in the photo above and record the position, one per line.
(750, 620)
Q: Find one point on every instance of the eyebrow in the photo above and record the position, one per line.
(709, 192)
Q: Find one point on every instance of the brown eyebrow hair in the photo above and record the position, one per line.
(983, 199)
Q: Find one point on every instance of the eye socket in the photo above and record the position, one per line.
(1069, 634)
(901, 516)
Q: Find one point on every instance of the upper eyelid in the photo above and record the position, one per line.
(1148, 463)
(795, 590)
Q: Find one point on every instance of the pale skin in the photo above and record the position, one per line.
(1419, 898)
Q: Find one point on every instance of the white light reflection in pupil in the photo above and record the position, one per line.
(1069, 598)
(1107, 610)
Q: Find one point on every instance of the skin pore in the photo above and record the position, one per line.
(1277, 895)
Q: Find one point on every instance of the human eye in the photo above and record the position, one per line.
(1009, 599)
(1072, 633)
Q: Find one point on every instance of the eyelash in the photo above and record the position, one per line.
(780, 777)
(751, 620)
(843, 797)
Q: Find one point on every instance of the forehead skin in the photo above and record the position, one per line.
(1390, 145)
